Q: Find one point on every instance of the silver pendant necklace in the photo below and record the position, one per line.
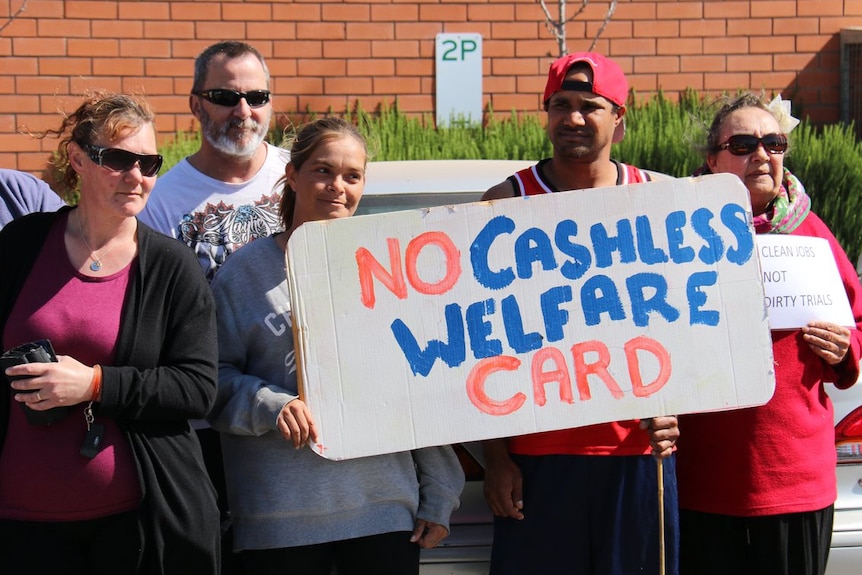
(96, 264)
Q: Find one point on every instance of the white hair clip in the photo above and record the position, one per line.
(781, 110)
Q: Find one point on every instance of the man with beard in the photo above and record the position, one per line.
(224, 195)
(582, 500)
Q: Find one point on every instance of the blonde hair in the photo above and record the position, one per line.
(102, 115)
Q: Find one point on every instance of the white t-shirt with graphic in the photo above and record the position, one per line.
(217, 218)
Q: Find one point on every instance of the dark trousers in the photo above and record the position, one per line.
(384, 554)
(788, 544)
(589, 515)
(211, 450)
(105, 546)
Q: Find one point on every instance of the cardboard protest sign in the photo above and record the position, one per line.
(801, 282)
(491, 319)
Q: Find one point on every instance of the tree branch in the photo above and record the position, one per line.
(557, 26)
(611, 9)
(15, 15)
(580, 10)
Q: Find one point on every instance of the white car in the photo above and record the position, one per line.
(393, 186)
(845, 556)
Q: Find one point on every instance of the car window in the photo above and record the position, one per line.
(378, 204)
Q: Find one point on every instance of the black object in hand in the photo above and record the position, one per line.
(40, 351)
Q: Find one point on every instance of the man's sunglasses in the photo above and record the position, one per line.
(744, 144)
(123, 160)
(231, 98)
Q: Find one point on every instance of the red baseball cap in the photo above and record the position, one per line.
(608, 78)
(608, 81)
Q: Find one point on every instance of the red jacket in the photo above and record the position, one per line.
(780, 457)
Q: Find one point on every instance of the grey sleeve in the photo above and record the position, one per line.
(441, 481)
(245, 404)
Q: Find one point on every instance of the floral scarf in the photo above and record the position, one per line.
(786, 212)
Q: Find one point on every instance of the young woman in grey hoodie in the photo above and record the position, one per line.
(292, 510)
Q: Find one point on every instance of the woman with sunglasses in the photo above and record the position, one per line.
(292, 510)
(115, 484)
(757, 486)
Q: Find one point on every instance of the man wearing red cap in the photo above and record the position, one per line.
(582, 500)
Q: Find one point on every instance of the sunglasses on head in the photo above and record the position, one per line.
(123, 160)
(231, 98)
(744, 144)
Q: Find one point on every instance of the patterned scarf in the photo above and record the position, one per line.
(786, 212)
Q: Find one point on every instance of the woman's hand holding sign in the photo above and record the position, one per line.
(828, 340)
(296, 423)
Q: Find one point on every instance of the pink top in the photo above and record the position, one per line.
(44, 476)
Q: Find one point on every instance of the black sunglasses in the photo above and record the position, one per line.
(744, 144)
(123, 160)
(231, 98)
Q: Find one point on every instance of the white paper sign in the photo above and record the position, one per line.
(801, 282)
(493, 319)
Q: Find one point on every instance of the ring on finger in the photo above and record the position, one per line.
(38, 397)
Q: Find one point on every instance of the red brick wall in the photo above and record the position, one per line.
(329, 54)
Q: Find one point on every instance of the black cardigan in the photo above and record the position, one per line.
(165, 374)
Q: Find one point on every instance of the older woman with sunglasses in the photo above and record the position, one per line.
(115, 483)
(757, 486)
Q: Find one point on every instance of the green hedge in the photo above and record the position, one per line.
(828, 161)
(662, 135)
